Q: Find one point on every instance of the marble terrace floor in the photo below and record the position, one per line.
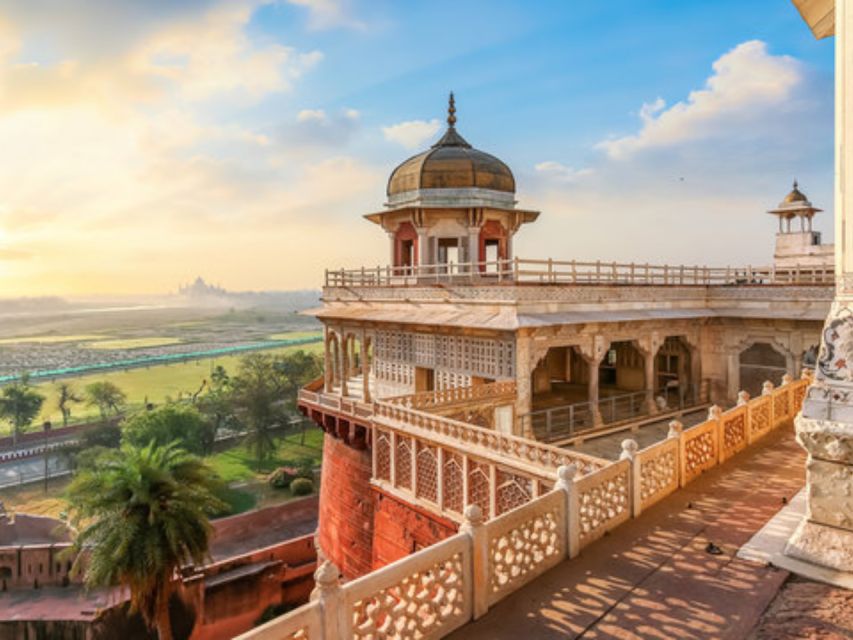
(652, 577)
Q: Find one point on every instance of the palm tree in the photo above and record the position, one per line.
(66, 396)
(146, 514)
(19, 405)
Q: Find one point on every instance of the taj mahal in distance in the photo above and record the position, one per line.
(493, 420)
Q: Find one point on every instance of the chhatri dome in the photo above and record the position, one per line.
(795, 205)
(451, 208)
(451, 163)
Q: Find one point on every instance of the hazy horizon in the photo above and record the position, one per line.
(147, 143)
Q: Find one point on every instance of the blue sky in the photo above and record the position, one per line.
(242, 140)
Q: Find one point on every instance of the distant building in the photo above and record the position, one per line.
(200, 289)
(30, 551)
(799, 247)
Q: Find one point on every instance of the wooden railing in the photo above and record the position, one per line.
(521, 270)
(433, 592)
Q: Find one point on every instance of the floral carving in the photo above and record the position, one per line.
(699, 452)
(517, 553)
(734, 432)
(759, 416)
(837, 347)
(658, 474)
(604, 501)
(418, 606)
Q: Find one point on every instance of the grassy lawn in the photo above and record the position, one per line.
(155, 383)
(50, 339)
(132, 343)
(239, 464)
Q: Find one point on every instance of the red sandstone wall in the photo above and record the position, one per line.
(400, 528)
(232, 609)
(346, 507)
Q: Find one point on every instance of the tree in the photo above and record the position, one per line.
(19, 406)
(106, 396)
(296, 370)
(146, 514)
(181, 423)
(257, 391)
(216, 404)
(66, 396)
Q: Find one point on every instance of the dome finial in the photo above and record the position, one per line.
(451, 111)
(796, 186)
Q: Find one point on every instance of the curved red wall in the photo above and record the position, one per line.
(346, 507)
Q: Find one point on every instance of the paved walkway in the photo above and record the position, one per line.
(610, 446)
(652, 577)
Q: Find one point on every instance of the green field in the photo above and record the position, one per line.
(154, 384)
(132, 343)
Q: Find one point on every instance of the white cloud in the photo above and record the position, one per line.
(561, 172)
(311, 115)
(316, 127)
(693, 183)
(747, 81)
(328, 14)
(412, 133)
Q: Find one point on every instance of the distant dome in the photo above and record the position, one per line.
(795, 196)
(451, 163)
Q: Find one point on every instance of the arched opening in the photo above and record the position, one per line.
(673, 373)
(493, 246)
(405, 248)
(561, 377)
(622, 370)
(759, 362)
(355, 361)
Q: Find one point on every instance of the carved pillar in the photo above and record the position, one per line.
(343, 366)
(365, 368)
(592, 353)
(473, 246)
(392, 237)
(592, 388)
(825, 426)
(424, 256)
(328, 365)
(523, 373)
(648, 347)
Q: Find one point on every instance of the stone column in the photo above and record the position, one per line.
(392, 237)
(423, 248)
(474, 246)
(593, 365)
(365, 368)
(328, 366)
(649, 374)
(343, 366)
(524, 393)
(825, 426)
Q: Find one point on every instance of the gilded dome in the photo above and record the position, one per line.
(795, 196)
(451, 163)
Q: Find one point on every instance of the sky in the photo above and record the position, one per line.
(145, 143)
